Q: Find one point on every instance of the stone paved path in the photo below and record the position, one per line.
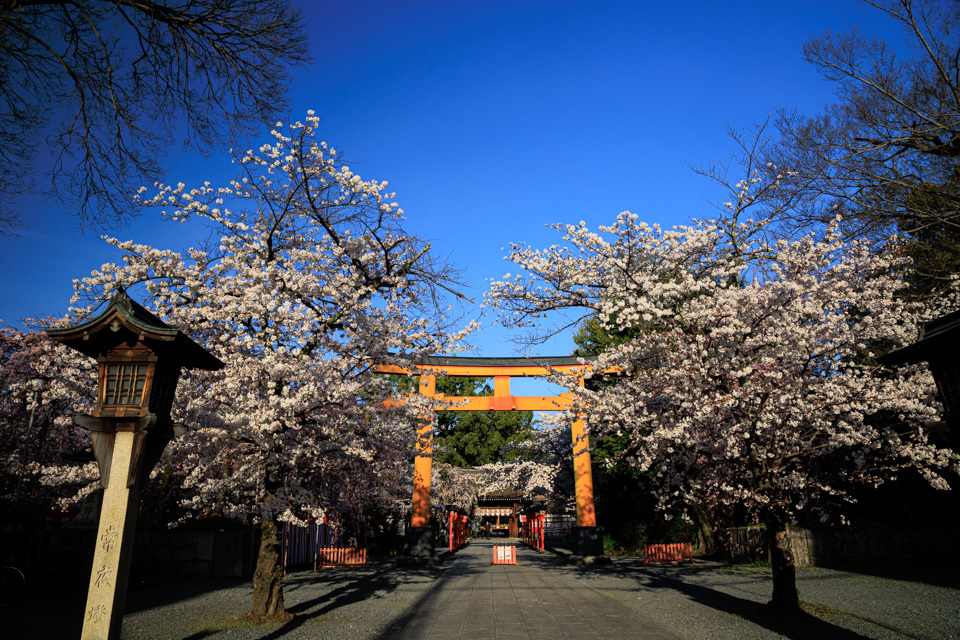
(540, 598)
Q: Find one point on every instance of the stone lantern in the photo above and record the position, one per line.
(140, 361)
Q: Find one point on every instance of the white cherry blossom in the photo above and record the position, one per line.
(747, 373)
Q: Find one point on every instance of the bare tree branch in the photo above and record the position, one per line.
(128, 78)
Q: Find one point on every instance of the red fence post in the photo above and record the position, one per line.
(458, 530)
(543, 531)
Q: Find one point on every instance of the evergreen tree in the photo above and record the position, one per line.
(475, 438)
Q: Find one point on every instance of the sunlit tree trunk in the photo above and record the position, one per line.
(268, 577)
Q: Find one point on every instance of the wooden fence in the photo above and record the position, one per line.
(673, 553)
(314, 544)
(341, 556)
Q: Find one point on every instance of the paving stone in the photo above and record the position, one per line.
(538, 599)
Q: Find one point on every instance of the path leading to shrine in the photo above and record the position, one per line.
(470, 599)
(538, 598)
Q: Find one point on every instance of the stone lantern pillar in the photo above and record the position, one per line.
(140, 361)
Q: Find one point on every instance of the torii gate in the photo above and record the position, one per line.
(419, 538)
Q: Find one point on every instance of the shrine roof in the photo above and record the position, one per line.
(939, 340)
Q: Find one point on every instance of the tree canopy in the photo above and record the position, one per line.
(307, 282)
(112, 84)
(884, 155)
(741, 385)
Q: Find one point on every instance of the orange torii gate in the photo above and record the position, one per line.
(419, 540)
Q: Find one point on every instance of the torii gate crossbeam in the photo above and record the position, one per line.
(419, 540)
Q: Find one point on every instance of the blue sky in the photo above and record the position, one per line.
(492, 119)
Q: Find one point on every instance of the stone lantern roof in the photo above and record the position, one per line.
(126, 321)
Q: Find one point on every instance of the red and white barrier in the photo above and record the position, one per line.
(504, 554)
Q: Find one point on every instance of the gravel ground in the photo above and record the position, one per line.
(700, 601)
(341, 603)
(722, 602)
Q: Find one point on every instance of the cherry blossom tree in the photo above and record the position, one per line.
(36, 429)
(527, 476)
(454, 487)
(749, 375)
(308, 280)
(540, 466)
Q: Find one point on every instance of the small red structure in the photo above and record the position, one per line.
(316, 543)
(458, 530)
(674, 553)
(341, 556)
(504, 554)
(534, 531)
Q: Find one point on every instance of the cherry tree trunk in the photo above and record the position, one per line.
(705, 528)
(268, 577)
(785, 596)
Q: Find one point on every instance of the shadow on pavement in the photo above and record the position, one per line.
(799, 626)
(58, 613)
(51, 610)
(351, 589)
(399, 623)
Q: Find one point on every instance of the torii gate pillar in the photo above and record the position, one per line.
(587, 540)
(419, 538)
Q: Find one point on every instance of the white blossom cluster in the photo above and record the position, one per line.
(68, 389)
(452, 487)
(310, 281)
(747, 369)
